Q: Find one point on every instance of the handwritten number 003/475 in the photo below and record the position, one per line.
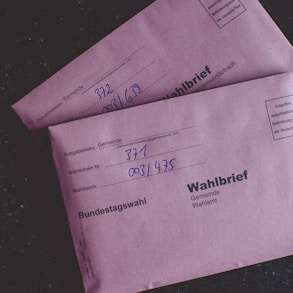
(145, 169)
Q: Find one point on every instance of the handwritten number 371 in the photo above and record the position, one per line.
(133, 153)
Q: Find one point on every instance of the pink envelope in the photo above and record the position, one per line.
(182, 188)
(171, 48)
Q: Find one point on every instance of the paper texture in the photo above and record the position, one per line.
(169, 49)
(182, 188)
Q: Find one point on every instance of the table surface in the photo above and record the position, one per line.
(36, 252)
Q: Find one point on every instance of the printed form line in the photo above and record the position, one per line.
(153, 83)
(103, 76)
(123, 144)
(106, 74)
(137, 73)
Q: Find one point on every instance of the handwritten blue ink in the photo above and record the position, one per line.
(155, 167)
(133, 153)
(117, 103)
(103, 91)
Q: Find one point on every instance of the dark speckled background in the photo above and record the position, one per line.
(36, 252)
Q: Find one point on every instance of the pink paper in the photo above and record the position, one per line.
(169, 49)
(182, 188)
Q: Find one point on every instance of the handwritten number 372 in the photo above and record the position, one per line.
(103, 91)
